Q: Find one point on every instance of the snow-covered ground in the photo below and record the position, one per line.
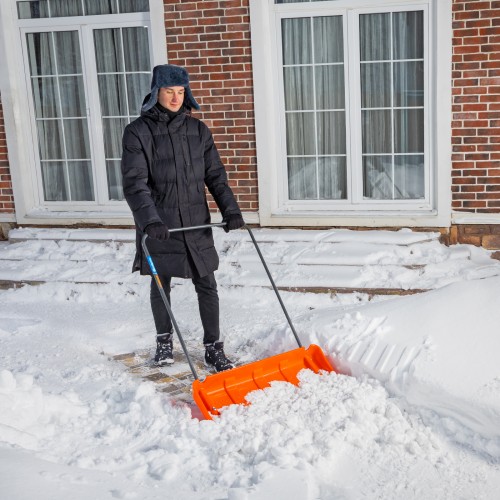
(415, 413)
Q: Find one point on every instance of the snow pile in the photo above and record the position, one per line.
(335, 258)
(438, 354)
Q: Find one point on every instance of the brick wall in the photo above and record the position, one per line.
(6, 195)
(212, 40)
(485, 235)
(476, 106)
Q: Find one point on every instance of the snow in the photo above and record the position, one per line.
(414, 412)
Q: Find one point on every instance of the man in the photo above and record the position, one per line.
(168, 159)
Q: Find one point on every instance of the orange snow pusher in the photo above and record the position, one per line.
(232, 386)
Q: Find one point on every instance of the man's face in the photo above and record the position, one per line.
(171, 97)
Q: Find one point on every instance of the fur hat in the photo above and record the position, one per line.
(169, 75)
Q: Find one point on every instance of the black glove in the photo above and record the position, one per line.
(233, 221)
(157, 231)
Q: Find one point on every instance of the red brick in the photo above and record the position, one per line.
(493, 13)
(471, 189)
(479, 5)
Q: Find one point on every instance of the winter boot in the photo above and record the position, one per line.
(215, 357)
(164, 345)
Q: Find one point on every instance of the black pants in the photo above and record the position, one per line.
(208, 303)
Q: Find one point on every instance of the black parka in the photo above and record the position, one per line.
(166, 164)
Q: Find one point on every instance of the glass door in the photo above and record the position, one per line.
(87, 84)
(392, 105)
(355, 115)
(123, 73)
(57, 84)
(315, 114)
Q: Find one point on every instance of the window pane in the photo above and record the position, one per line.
(408, 84)
(391, 88)
(378, 178)
(54, 181)
(296, 35)
(45, 97)
(108, 50)
(375, 37)
(68, 52)
(113, 132)
(60, 109)
(77, 139)
(136, 45)
(331, 132)
(298, 88)
(50, 139)
(115, 187)
(134, 6)
(121, 95)
(376, 85)
(330, 93)
(80, 180)
(302, 179)
(300, 134)
(409, 130)
(72, 96)
(328, 39)
(408, 32)
(63, 8)
(398, 179)
(32, 10)
(113, 95)
(67, 181)
(333, 178)
(376, 128)
(96, 7)
(137, 87)
(40, 54)
(409, 175)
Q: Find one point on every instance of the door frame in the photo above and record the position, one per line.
(269, 135)
(22, 144)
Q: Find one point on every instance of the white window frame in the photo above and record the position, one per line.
(22, 139)
(97, 155)
(274, 206)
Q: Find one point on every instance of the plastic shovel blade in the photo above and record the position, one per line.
(232, 386)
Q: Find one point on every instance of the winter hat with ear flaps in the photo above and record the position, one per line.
(169, 75)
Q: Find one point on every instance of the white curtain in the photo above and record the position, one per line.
(69, 8)
(313, 75)
(392, 105)
(123, 72)
(57, 83)
(60, 112)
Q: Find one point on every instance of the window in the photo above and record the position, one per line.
(354, 106)
(392, 105)
(68, 8)
(61, 118)
(353, 111)
(315, 107)
(87, 77)
(123, 75)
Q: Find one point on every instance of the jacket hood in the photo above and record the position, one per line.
(169, 75)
